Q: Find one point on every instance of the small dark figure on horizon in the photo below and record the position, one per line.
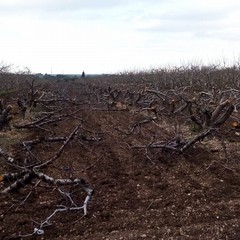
(83, 75)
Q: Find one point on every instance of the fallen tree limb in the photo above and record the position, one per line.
(59, 152)
(44, 140)
(21, 182)
(60, 181)
(198, 138)
(33, 174)
(26, 177)
(6, 156)
(32, 124)
(177, 145)
(13, 176)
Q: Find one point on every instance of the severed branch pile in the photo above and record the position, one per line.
(27, 174)
(204, 111)
(32, 170)
(208, 123)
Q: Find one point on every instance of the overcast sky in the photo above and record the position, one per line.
(107, 36)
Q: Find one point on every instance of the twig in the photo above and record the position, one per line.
(68, 195)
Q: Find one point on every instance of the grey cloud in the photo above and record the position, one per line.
(99, 11)
(195, 21)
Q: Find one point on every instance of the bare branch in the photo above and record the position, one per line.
(59, 152)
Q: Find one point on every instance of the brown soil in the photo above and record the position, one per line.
(162, 196)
